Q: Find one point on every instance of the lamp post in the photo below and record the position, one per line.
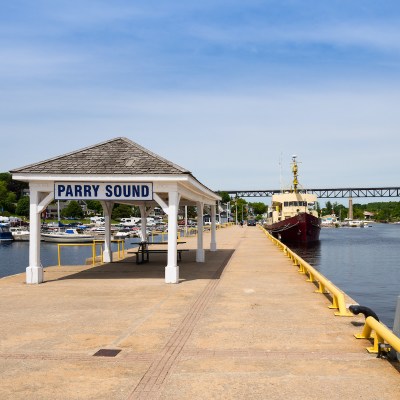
(227, 211)
(186, 221)
(236, 219)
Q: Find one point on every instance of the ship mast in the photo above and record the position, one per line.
(294, 170)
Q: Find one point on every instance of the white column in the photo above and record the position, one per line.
(200, 220)
(107, 209)
(34, 273)
(213, 243)
(143, 222)
(40, 197)
(186, 220)
(172, 269)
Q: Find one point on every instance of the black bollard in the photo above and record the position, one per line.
(356, 309)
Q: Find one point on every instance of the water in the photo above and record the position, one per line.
(14, 256)
(365, 263)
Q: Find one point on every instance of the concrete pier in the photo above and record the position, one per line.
(242, 325)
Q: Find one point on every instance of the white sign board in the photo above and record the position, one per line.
(103, 191)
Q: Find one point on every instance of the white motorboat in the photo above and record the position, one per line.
(70, 235)
(98, 230)
(354, 223)
(122, 234)
(20, 233)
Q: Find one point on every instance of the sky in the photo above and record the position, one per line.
(230, 90)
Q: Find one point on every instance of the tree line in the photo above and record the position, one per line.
(14, 202)
(384, 211)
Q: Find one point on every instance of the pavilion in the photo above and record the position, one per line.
(116, 171)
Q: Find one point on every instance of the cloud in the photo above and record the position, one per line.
(221, 88)
(222, 138)
(375, 36)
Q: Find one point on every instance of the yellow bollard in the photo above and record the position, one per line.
(381, 334)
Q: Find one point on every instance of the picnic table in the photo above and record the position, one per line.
(143, 251)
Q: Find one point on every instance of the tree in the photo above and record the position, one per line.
(192, 212)
(383, 215)
(241, 209)
(225, 197)
(358, 211)
(328, 208)
(339, 210)
(7, 198)
(121, 211)
(73, 210)
(5, 177)
(136, 211)
(95, 206)
(258, 208)
(22, 208)
(3, 195)
(12, 185)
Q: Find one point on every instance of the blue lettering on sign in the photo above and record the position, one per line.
(81, 191)
(86, 190)
(126, 190)
(69, 191)
(145, 191)
(135, 190)
(108, 191)
(78, 191)
(60, 190)
(95, 189)
(117, 191)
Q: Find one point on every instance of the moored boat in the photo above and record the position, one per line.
(20, 233)
(353, 223)
(5, 234)
(68, 236)
(293, 217)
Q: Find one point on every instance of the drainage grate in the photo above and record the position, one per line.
(106, 353)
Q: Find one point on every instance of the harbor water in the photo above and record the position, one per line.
(14, 256)
(363, 262)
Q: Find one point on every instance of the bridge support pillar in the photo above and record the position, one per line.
(350, 208)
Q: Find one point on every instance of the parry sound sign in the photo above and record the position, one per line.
(102, 191)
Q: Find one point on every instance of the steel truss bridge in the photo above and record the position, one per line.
(323, 193)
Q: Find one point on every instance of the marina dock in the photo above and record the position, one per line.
(242, 325)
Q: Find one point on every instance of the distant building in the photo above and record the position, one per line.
(52, 208)
(369, 215)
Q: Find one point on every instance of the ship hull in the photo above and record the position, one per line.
(303, 228)
(6, 237)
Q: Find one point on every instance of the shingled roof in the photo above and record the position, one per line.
(117, 156)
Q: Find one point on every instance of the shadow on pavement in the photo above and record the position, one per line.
(127, 268)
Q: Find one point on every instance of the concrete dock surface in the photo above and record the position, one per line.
(243, 325)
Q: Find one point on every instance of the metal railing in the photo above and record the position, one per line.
(325, 286)
(164, 236)
(121, 243)
(120, 246)
(382, 334)
(189, 232)
(323, 193)
(94, 245)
